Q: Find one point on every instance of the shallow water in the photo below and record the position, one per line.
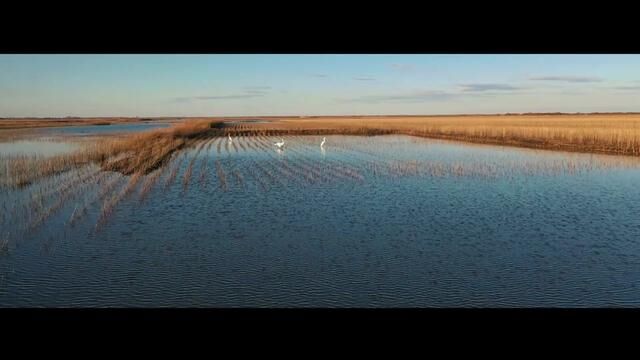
(101, 129)
(381, 221)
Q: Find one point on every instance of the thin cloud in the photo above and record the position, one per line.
(403, 67)
(631, 87)
(258, 87)
(219, 97)
(466, 91)
(489, 87)
(249, 93)
(257, 92)
(319, 75)
(417, 96)
(570, 79)
(363, 79)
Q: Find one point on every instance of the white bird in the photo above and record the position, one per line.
(324, 139)
(229, 135)
(280, 144)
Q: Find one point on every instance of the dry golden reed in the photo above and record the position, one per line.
(597, 133)
(129, 154)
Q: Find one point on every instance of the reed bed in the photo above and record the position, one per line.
(508, 169)
(62, 197)
(335, 169)
(596, 133)
(222, 177)
(174, 171)
(128, 154)
(110, 204)
(262, 184)
(38, 196)
(187, 175)
(210, 143)
(311, 171)
(227, 144)
(104, 190)
(4, 243)
(146, 152)
(189, 172)
(251, 143)
(306, 169)
(234, 144)
(280, 167)
(241, 141)
(147, 185)
(24, 170)
(239, 178)
(204, 170)
(268, 173)
(293, 171)
(219, 146)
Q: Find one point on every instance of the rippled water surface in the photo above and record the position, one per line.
(385, 221)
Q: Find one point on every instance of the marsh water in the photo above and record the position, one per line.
(102, 129)
(383, 221)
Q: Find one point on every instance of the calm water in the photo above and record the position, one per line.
(102, 129)
(387, 221)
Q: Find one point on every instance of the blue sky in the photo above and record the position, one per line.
(233, 85)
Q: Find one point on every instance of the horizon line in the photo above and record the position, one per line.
(321, 116)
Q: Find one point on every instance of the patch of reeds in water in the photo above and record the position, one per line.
(239, 178)
(187, 175)
(65, 193)
(110, 204)
(203, 172)
(222, 177)
(147, 185)
(174, 171)
(104, 190)
(129, 154)
(4, 243)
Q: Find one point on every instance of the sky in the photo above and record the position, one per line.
(252, 85)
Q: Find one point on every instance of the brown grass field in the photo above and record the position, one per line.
(32, 123)
(594, 133)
